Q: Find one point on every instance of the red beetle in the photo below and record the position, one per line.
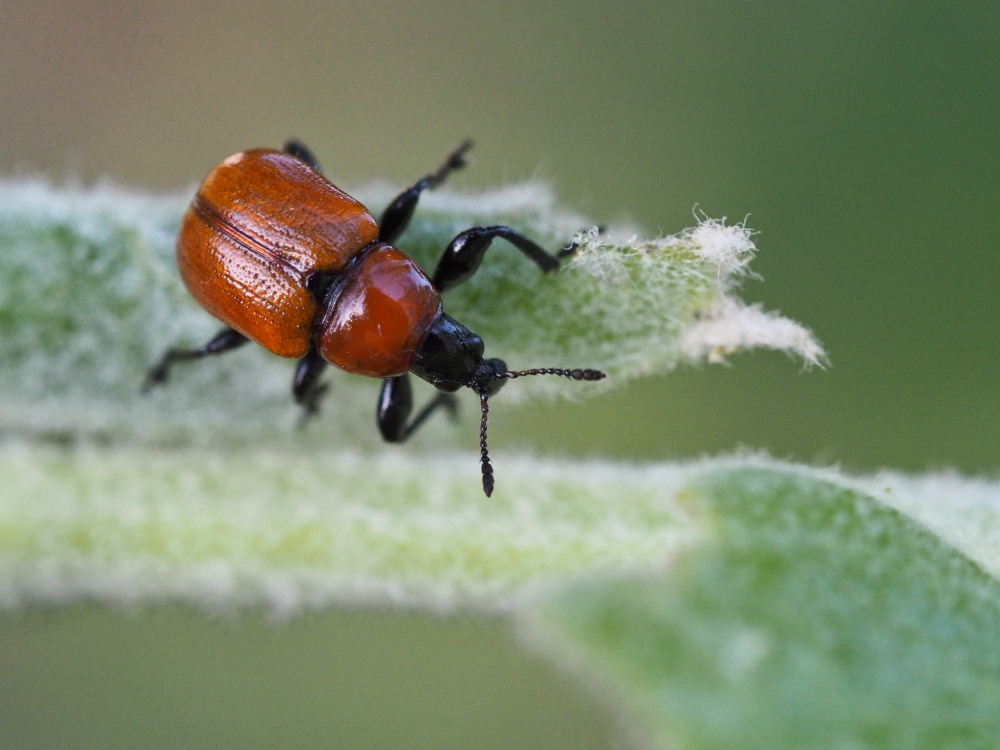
(286, 259)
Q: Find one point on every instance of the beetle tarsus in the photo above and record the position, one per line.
(226, 340)
(158, 374)
(310, 405)
(456, 160)
(571, 248)
(398, 213)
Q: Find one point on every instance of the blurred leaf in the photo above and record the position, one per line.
(811, 616)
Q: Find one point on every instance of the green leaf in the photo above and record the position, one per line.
(90, 298)
(287, 532)
(810, 616)
(714, 605)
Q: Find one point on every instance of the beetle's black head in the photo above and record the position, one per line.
(452, 357)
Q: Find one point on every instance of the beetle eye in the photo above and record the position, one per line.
(475, 346)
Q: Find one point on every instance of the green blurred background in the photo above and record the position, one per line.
(859, 137)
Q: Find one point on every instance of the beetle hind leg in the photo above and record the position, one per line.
(226, 340)
(295, 147)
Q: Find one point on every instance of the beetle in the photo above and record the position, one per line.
(288, 260)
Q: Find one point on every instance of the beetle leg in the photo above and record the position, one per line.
(226, 340)
(295, 147)
(462, 257)
(395, 403)
(572, 246)
(397, 215)
(306, 387)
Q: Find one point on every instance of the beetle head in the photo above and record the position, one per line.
(451, 357)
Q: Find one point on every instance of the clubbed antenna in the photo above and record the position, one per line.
(573, 374)
(484, 454)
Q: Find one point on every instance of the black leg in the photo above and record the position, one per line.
(306, 387)
(397, 216)
(462, 257)
(572, 246)
(395, 403)
(226, 340)
(300, 151)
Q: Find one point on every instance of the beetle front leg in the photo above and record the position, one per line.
(306, 388)
(395, 403)
(462, 257)
(397, 215)
(226, 340)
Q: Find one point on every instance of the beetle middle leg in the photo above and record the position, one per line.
(462, 257)
(395, 403)
(306, 388)
(397, 215)
(226, 340)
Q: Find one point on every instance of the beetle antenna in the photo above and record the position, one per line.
(483, 450)
(484, 454)
(572, 374)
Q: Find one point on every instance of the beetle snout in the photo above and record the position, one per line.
(489, 376)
